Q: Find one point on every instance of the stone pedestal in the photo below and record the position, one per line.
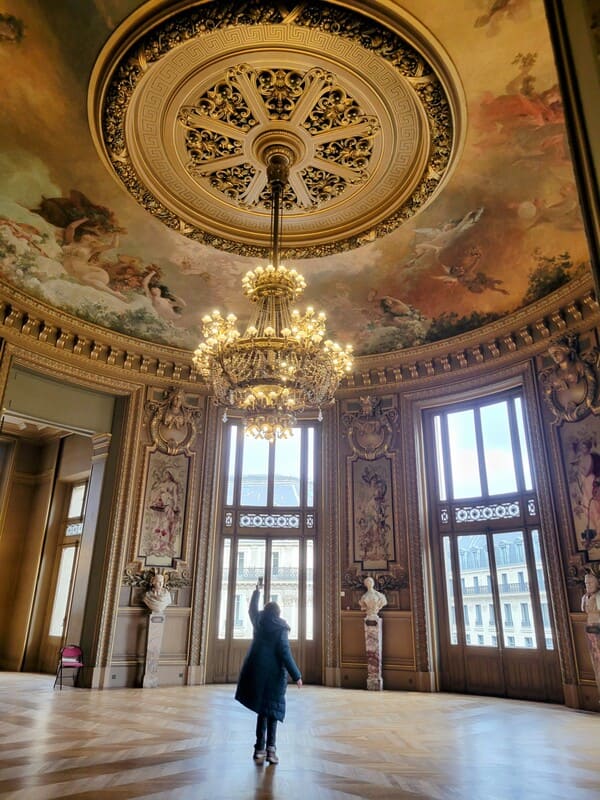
(373, 639)
(156, 626)
(593, 639)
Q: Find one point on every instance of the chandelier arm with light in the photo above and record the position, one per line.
(281, 365)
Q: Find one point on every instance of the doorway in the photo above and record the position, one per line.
(61, 561)
(494, 623)
(268, 534)
(56, 435)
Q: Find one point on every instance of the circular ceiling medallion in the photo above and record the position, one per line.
(184, 102)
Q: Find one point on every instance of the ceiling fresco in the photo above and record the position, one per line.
(433, 190)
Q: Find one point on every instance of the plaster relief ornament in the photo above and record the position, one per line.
(372, 601)
(370, 109)
(570, 384)
(173, 424)
(135, 575)
(370, 431)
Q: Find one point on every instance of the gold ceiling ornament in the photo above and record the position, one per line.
(182, 94)
(282, 364)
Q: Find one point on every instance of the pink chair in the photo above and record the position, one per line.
(69, 657)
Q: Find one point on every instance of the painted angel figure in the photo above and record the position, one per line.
(431, 242)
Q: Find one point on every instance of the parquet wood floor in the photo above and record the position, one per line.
(336, 744)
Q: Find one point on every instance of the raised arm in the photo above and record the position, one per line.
(253, 609)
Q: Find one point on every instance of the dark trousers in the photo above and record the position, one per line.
(265, 726)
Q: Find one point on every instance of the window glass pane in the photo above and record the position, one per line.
(224, 587)
(284, 580)
(480, 627)
(61, 595)
(464, 460)
(539, 568)
(74, 529)
(450, 591)
(497, 449)
(250, 566)
(255, 470)
(310, 467)
(514, 588)
(286, 481)
(231, 466)
(523, 442)
(439, 456)
(76, 502)
(310, 590)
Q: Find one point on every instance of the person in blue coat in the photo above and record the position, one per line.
(263, 678)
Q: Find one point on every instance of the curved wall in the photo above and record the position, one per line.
(146, 380)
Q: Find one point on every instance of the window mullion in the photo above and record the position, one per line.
(446, 456)
(303, 467)
(237, 483)
(534, 590)
(489, 534)
(459, 603)
(271, 475)
(516, 445)
(480, 452)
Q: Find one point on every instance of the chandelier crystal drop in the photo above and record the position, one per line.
(282, 364)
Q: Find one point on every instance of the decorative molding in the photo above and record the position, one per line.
(38, 327)
(570, 385)
(173, 423)
(208, 81)
(520, 335)
(134, 574)
(384, 581)
(371, 429)
(48, 331)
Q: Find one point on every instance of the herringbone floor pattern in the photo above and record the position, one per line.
(196, 742)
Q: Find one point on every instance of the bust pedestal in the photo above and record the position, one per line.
(592, 634)
(156, 626)
(373, 644)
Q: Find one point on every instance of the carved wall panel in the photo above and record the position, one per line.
(570, 381)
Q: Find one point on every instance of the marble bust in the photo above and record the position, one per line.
(372, 601)
(590, 602)
(158, 597)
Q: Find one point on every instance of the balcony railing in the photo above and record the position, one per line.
(504, 588)
(252, 574)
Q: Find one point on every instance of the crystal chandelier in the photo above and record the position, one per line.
(282, 364)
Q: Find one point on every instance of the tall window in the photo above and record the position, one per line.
(487, 516)
(268, 529)
(71, 530)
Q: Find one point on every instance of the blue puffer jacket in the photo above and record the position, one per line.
(263, 679)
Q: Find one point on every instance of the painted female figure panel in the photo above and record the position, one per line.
(164, 508)
(372, 512)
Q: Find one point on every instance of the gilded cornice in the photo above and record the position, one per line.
(519, 335)
(38, 327)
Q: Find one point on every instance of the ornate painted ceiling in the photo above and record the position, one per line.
(431, 189)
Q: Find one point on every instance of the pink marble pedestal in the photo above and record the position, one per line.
(156, 626)
(373, 638)
(593, 640)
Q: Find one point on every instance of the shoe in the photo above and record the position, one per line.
(259, 755)
(272, 756)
